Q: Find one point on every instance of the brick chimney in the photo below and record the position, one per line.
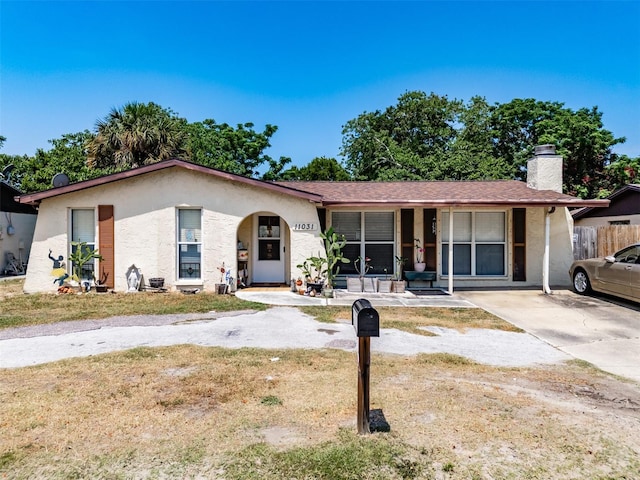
(544, 170)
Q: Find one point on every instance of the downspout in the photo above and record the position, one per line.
(545, 259)
(450, 260)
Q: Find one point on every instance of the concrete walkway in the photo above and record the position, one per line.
(559, 326)
(422, 298)
(603, 332)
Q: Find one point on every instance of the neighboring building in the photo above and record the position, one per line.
(183, 222)
(623, 209)
(17, 222)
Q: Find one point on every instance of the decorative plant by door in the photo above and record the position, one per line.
(80, 256)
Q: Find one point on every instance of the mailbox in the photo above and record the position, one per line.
(365, 319)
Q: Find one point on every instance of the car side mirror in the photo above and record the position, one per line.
(610, 259)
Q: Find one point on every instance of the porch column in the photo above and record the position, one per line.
(450, 266)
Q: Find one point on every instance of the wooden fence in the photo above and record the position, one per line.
(589, 242)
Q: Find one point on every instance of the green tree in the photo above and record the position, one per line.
(320, 168)
(67, 155)
(578, 135)
(406, 141)
(471, 156)
(237, 150)
(623, 171)
(135, 135)
(434, 138)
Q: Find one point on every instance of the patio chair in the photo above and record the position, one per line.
(13, 265)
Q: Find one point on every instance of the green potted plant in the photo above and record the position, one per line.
(419, 265)
(333, 245)
(321, 270)
(81, 254)
(398, 282)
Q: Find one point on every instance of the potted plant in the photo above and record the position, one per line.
(319, 270)
(386, 284)
(221, 288)
(316, 282)
(81, 254)
(419, 266)
(333, 245)
(312, 269)
(398, 282)
(362, 266)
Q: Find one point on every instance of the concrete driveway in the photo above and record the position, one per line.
(601, 331)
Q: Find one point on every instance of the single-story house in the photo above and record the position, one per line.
(17, 223)
(623, 209)
(184, 222)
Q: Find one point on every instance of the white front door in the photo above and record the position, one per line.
(268, 249)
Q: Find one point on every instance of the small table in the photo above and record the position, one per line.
(426, 276)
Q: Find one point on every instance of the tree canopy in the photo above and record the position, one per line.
(237, 150)
(320, 168)
(422, 136)
(432, 137)
(135, 135)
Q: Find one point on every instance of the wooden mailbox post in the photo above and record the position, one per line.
(366, 322)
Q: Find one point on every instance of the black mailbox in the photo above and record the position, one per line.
(365, 319)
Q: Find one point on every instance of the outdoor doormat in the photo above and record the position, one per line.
(422, 292)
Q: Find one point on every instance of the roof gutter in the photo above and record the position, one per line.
(472, 203)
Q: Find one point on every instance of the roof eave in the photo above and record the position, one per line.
(467, 203)
(36, 198)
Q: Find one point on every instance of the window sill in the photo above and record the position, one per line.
(183, 282)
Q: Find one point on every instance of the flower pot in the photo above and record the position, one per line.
(385, 286)
(354, 284)
(315, 287)
(370, 284)
(399, 286)
(419, 267)
(327, 292)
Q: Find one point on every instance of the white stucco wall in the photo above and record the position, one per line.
(145, 225)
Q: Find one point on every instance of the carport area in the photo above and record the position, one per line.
(602, 331)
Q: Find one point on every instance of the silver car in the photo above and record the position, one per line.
(618, 274)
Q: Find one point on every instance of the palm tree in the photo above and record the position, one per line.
(135, 135)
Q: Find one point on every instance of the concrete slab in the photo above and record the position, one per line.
(425, 298)
(275, 328)
(602, 332)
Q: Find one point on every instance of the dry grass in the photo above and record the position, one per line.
(10, 287)
(17, 309)
(194, 412)
(411, 319)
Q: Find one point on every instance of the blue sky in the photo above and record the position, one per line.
(307, 67)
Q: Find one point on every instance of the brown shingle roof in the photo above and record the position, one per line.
(35, 198)
(423, 193)
(438, 194)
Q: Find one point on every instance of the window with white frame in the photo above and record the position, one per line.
(189, 243)
(83, 229)
(369, 235)
(479, 243)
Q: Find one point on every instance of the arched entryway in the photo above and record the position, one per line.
(265, 236)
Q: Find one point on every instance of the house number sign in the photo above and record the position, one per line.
(305, 226)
